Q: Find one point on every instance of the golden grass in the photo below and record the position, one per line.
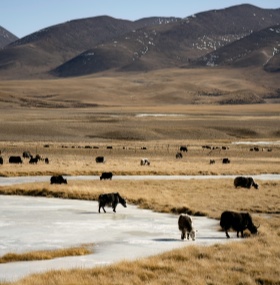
(62, 114)
(124, 158)
(46, 254)
(197, 197)
(253, 261)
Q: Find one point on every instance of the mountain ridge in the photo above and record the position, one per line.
(97, 44)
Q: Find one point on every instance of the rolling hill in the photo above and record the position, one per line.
(92, 45)
(260, 48)
(6, 37)
(172, 45)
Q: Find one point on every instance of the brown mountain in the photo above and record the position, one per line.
(36, 54)
(260, 48)
(174, 44)
(103, 43)
(6, 37)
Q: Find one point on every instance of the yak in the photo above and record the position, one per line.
(185, 226)
(110, 199)
(179, 155)
(183, 148)
(58, 180)
(33, 160)
(226, 160)
(100, 159)
(245, 182)
(106, 175)
(15, 159)
(238, 222)
(144, 161)
(26, 154)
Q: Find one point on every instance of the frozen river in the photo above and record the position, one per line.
(29, 223)
(31, 179)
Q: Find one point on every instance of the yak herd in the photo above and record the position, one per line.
(239, 222)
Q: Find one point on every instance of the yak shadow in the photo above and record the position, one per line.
(88, 213)
(210, 238)
(166, 240)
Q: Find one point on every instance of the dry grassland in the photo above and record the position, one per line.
(46, 254)
(124, 158)
(59, 119)
(254, 261)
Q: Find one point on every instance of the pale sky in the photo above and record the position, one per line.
(23, 17)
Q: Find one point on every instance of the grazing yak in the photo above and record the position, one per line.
(179, 155)
(26, 154)
(1, 160)
(245, 182)
(110, 199)
(58, 180)
(100, 159)
(183, 148)
(185, 226)
(226, 160)
(144, 161)
(33, 160)
(106, 175)
(15, 159)
(238, 222)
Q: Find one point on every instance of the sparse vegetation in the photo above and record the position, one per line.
(122, 112)
(46, 254)
(253, 261)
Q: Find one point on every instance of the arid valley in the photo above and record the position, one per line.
(185, 95)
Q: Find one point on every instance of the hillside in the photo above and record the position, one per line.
(36, 54)
(257, 49)
(172, 45)
(6, 37)
(92, 45)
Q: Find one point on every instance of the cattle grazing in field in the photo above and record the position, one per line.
(15, 159)
(100, 159)
(144, 161)
(47, 160)
(226, 161)
(212, 161)
(106, 175)
(110, 199)
(1, 160)
(58, 180)
(183, 148)
(245, 182)
(206, 147)
(179, 155)
(39, 157)
(26, 154)
(238, 222)
(185, 226)
(33, 160)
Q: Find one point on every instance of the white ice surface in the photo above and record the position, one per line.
(29, 223)
(5, 181)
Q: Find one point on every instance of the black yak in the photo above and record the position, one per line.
(238, 222)
(106, 175)
(185, 226)
(245, 182)
(58, 180)
(110, 199)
